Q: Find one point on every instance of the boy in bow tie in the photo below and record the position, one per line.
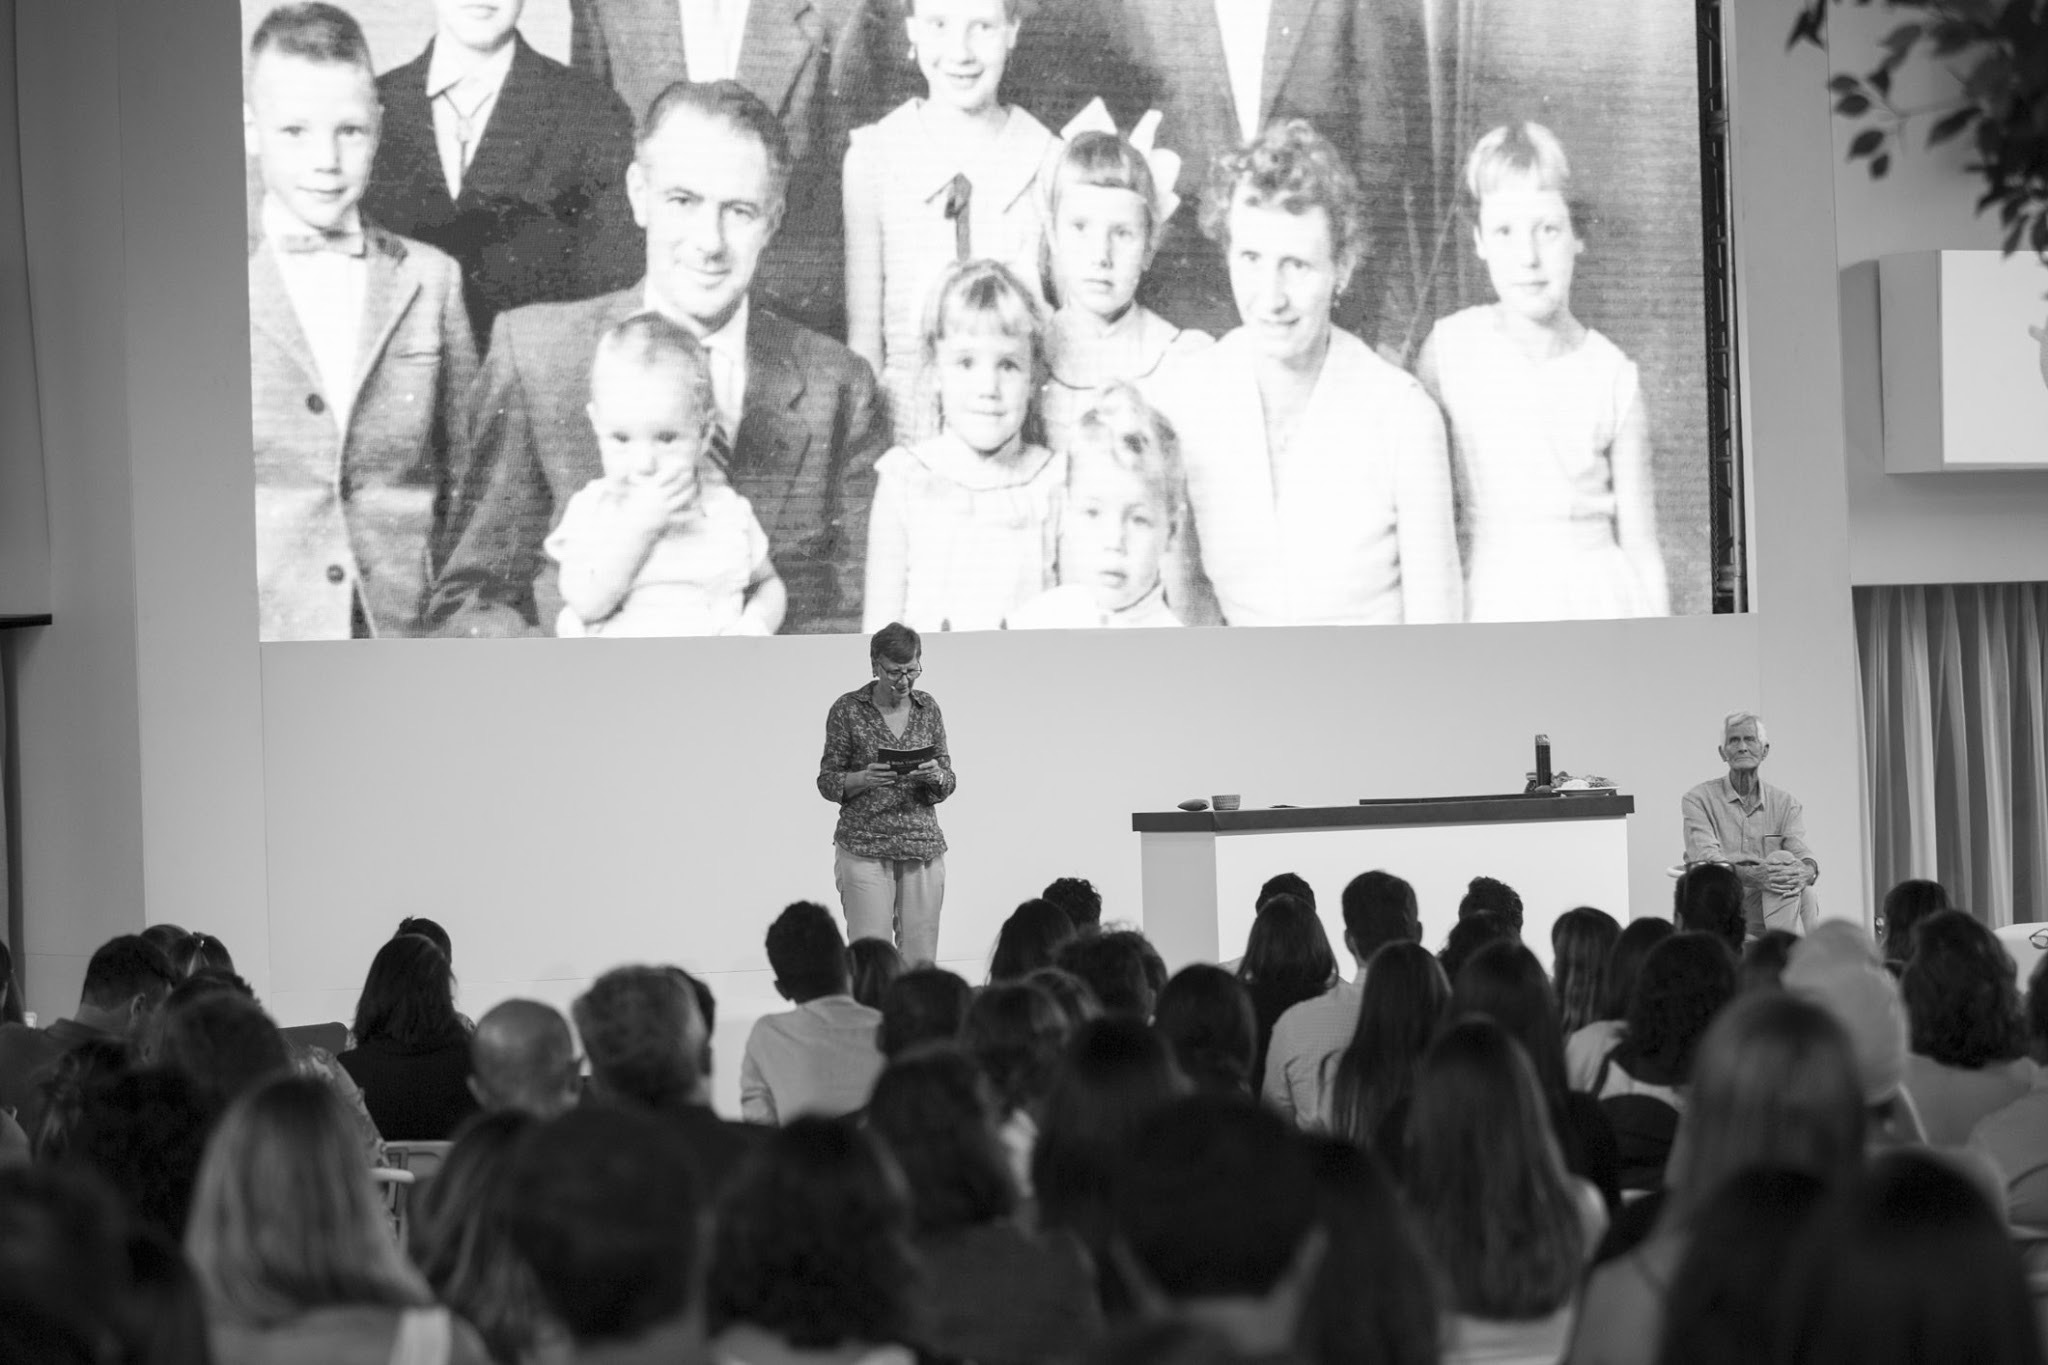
(360, 350)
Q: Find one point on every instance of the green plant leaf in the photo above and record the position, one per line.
(1866, 142)
(1951, 124)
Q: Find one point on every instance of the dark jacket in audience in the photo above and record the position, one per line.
(716, 1145)
(997, 1295)
(415, 1095)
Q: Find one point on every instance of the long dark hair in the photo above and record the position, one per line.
(460, 1235)
(1287, 960)
(1206, 1014)
(1961, 999)
(1505, 982)
(1905, 905)
(1580, 943)
(1684, 983)
(1404, 998)
(1625, 964)
(1029, 939)
(1015, 1033)
(1372, 1242)
(1116, 1071)
(933, 1109)
(408, 997)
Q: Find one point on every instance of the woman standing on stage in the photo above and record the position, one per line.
(889, 858)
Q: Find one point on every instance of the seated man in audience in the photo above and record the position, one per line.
(1757, 829)
(522, 1057)
(125, 982)
(1491, 895)
(1379, 908)
(821, 1057)
(648, 1046)
(606, 1213)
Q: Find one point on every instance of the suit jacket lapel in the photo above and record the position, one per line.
(776, 49)
(409, 129)
(388, 291)
(1211, 112)
(271, 312)
(770, 440)
(655, 29)
(1285, 25)
(509, 136)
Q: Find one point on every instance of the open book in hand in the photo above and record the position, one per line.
(906, 760)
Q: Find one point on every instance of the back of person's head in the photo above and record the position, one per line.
(1707, 899)
(606, 1214)
(523, 1057)
(807, 953)
(1404, 999)
(1504, 982)
(1836, 967)
(68, 1086)
(1016, 1033)
(933, 1110)
(128, 974)
(1581, 941)
(1911, 1265)
(1961, 999)
(1370, 1240)
(1074, 998)
(165, 937)
(1468, 936)
(62, 1267)
(429, 930)
(1493, 1202)
(1684, 983)
(459, 1234)
(1625, 964)
(1029, 939)
(223, 1041)
(1764, 960)
(812, 1240)
(1079, 898)
(1216, 1197)
(1116, 1072)
(924, 1005)
(641, 1032)
(1113, 967)
(145, 1134)
(1722, 1304)
(1379, 908)
(1905, 905)
(205, 981)
(1287, 948)
(1205, 1015)
(872, 965)
(408, 998)
(1285, 884)
(1774, 1084)
(199, 952)
(1490, 895)
(284, 1218)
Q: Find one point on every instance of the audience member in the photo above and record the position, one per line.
(1722, 1304)
(429, 930)
(1910, 1266)
(125, 981)
(1585, 1049)
(1205, 1015)
(224, 1041)
(1112, 965)
(821, 1057)
(64, 1089)
(411, 1056)
(1375, 1296)
(1505, 983)
(1016, 1034)
(62, 1271)
(1836, 967)
(2014, 1140)
(166, 1314)
(606, 1215)
(1079, 898)
(1509, 1229)
(1707, 899)
(1379, 908)
(1641, 1085)
(164, 937)
(145, 1133)
(1581, 941)
(1367, 1086)
(1775, 1086)
(1905, 905)
(1490, 896)
(522, 1058)
(1074, 997)
(1284, 884)
(925, 1005)
(1968, 1056)
(459, 1233)
(1030, 938)
(1763, 961)
(1287, 960)
(990, 1292)
(810, 1249)
(872, 965)
(1468, 936)
(200, 952)
(291, 1246)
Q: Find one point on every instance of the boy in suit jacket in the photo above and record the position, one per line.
(359, 350)
(513, 164)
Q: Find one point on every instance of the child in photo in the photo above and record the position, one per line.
(964, 522)
(1104, 214)
(1124, 512)
(1550, 442)
(359, 352)
(660, 544)
(939, 180)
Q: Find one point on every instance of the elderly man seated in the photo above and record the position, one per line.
(1757, 829)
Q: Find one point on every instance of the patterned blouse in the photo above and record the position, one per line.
(885, 822)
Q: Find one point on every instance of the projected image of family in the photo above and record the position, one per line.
(609, 318)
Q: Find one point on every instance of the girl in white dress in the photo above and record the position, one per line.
(944, 179)
(1550, 442)
(965, 522)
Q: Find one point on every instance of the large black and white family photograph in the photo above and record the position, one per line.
(692, 317)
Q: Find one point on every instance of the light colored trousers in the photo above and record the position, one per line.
(892, 898)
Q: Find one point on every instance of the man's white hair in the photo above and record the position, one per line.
(1735, 718)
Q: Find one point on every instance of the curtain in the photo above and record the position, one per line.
(1955, 741)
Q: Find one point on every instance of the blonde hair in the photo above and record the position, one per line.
(987, 291)
(1124, 429)
(649, 341)
(284, 1216)
(1521, 154)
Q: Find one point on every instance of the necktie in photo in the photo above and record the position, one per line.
(310, 243)
(958, 195)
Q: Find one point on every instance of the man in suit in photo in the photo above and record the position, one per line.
(513, 164)
(793, 55)
(799, 428)
(1357, 70)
